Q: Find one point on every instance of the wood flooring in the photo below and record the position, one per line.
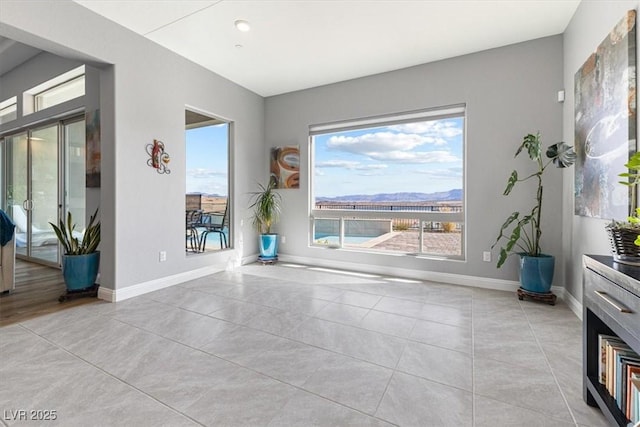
(37, 290)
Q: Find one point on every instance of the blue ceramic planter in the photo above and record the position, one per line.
(268, 246)
(536, 273)
(80, 271)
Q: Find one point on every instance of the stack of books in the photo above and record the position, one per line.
(619, 373)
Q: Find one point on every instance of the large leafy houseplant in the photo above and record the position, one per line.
(523, 232)
(71, 242)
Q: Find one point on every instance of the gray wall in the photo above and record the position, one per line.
(509, 92)
(144, 89)
(591, 23)
(37, 70)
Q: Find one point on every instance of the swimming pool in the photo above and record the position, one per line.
(348, 240)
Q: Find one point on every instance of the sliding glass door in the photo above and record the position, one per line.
(39, 185)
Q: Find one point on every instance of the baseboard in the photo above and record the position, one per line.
(452, 279)
(573, 303)
(449, 278)
(115, 295)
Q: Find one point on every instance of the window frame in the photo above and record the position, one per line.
(6, 109)
(39, 97)
(30, 96)
(439, 113)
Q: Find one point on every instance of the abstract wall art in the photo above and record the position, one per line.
(605, 123)
(93, 155)
(285, 167)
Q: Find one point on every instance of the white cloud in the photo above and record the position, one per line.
(415, 157)
(348, 164)
(439, 128)
(392, 147)
(379, 141)
(205, 173)
(448, 173)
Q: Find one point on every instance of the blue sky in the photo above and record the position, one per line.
(421, 157)
(207, 154)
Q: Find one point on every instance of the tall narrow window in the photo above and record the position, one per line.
(8, 110)
(391, 184)
(207, 203)
(62, 88)
(60, 93)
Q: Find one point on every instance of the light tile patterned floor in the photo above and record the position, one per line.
(293, 346)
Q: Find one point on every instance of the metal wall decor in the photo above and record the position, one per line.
(159, 159)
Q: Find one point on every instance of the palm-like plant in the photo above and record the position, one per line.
(525, 232)
(71, 244)
(633, 220)
(266, 207)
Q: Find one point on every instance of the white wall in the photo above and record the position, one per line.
(509, 92)
(144, 89)
(591, 23)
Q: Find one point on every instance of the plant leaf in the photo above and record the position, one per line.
(562, 154)
(512, 181)
(532, 144)
(502, 258)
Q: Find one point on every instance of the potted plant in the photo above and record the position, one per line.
(81, 258)
(266, 212)
(522, 232)
(625, 235)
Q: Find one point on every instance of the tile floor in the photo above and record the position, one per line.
(292, 346)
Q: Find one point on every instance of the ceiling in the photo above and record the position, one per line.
(298, 44)
(14, 54)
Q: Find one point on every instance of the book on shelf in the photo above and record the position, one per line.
(602, 345)
(624, 361)
(619, 373)
(633, 397)
(613, 347)
(635, 400)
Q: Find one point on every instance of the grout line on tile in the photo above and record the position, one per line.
(546, 358)
(117, 378)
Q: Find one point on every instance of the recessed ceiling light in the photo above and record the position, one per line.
(239, 46)
(242, 25)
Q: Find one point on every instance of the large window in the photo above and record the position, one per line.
(391, 184)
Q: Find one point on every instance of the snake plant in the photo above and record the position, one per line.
(66, 233)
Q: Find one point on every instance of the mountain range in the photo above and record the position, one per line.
(441, 196)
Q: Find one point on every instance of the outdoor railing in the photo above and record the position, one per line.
(390, 207)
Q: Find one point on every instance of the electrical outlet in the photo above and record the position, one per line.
(486, 256)
(162, 256)
(283, 240)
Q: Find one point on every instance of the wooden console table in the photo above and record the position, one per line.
(611, 306)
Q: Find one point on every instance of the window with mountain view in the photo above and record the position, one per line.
(391, 184)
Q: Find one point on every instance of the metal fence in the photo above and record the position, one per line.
(407, 207)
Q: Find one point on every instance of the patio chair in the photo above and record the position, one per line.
(39, 237)
(215, 222)
(193, 220)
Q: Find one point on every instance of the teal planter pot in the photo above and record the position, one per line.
(268, 246)
(80, 271)
(536, 273)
